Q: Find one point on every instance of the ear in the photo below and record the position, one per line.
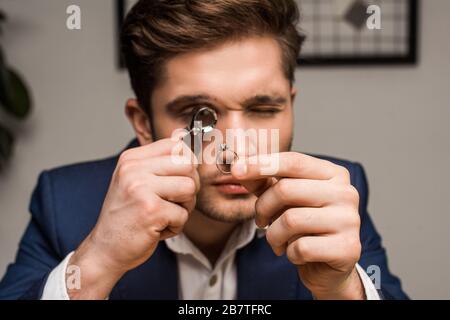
(139, 121)
(293, 94)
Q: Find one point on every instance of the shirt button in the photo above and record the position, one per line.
(212, 280)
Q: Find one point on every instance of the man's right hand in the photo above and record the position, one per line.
(149, 199)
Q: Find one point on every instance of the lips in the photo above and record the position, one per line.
(230, 187)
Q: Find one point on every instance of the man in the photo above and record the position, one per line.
(145, 225)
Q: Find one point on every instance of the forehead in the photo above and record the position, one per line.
(231, 71)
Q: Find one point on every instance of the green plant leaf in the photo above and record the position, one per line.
(14, 94)
(2, 19)
(2, 63)
(6, 143)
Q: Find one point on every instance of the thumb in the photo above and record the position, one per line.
(254, 185)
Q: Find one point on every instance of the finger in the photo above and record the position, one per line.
(180, 190)
(296, 222)
(285, 164)
(175, 217)
(176, 166)
(310, 249)
(168, 146)
(294, 192)
(161, 215)
(134, 171)
(259, 186)
(164, 165)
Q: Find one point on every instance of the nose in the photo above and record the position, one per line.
(238, 133)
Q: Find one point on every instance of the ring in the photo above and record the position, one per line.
(223, 148)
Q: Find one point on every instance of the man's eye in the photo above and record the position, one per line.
(190, 111)
(187, 113)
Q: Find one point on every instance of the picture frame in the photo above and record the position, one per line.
(397, 29)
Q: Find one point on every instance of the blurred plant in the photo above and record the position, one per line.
(14, 100)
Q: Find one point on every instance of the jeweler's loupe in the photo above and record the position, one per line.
(203, 121)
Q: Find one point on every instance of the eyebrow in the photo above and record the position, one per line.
(188, 99)
(263, 99)
(259, 99)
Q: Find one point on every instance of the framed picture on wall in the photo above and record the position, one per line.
(337, 31)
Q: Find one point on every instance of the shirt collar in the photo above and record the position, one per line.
(240, 237)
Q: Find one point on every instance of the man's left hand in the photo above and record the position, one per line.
(310, 210)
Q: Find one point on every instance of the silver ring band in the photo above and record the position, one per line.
(223, 148)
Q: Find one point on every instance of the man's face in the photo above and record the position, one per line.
(244, 83)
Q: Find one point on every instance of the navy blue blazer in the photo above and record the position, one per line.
(65, 206)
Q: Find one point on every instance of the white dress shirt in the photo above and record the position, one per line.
(197, 278)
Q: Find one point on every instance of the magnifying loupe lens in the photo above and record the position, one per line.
(207, 117)
(203, 121)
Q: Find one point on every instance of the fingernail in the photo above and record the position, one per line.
(259, 223)
(278, 251)
(240, 169)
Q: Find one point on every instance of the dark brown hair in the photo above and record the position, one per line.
(156, 30)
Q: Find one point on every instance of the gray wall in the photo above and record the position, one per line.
(393, 120)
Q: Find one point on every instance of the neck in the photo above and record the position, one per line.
(207, 234)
